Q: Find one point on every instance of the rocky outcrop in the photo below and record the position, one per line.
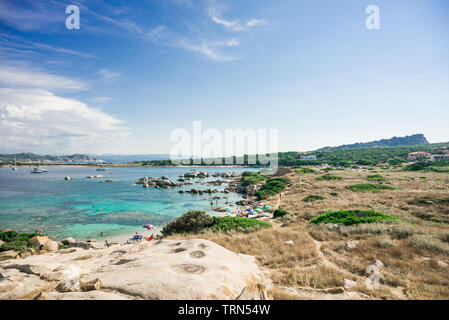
(165, 269)
(38, 241)
(10, 254)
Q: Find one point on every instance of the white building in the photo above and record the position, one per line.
(439, 157)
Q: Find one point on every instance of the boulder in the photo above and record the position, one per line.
(350, 245)
(80, 244)
(377, 263)
(67, 241)
(195, 269)
(38, 241)
(349, 284)
(10, 254)
(50, 246)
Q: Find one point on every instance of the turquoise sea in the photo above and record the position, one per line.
(83, 208)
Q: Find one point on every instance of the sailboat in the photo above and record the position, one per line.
(15, 164)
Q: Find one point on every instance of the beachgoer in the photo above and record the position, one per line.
(106, 243)
(102, 234)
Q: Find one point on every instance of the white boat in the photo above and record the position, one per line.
(37, 170)
(15, 164)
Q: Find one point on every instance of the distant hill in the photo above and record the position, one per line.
(132, 158)
(32, 157)
(416, 139)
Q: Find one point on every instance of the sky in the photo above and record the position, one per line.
(137, 70)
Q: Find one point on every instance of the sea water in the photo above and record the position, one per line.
(84, 208)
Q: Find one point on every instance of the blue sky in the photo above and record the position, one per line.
(135, 71)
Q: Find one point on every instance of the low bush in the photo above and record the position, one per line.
(430, 200)
(235, 223)
(313, 197)
(197, 221)
(15, 240)
(18, 245)
(430, 244)
(385, 243)
(327, 177)
(249, 178)
(280, 213)
(350, 217)
(192, 221)
(367, 187)
(272, 187)
(305, 170)
(376, 177)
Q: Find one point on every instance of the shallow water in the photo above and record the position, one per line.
(83, 208)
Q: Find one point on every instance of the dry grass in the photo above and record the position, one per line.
(414, 250)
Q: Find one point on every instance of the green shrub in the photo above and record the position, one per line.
(313, 197)
(367, 187)
(272, 187)
(305, 170)
(264, 194)
(327, 177)
(438, 166)
(375, 177)
(11, 235)
(350, 217)
(430, 200)
(232, 223)
(192, 221)
(249, 178)
(197, 221)
(280, 213)
(18, 245)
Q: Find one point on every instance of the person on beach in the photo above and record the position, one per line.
(106, 243)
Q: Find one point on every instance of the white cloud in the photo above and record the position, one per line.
(34, 78)
(157, 33)
(233, 25)
(37, 120)
(205, 49)
(102, 99)
(107, 75)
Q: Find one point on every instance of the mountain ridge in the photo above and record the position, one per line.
(415, 139)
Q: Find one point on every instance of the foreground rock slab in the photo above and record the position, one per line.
(165, 269)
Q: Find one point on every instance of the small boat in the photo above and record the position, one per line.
(15, 164)
(37, 170)
(101, 169)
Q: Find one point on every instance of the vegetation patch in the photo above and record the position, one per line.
(249, 178)
(369, 187)
(15, 240)
(376, 177)
(198, 221)
(328, 177)
(233, 223)
(429, 243)
(305, 170)
(272, 187)
(430, 200)
(438, 166)
(351, 217)
(313, 197)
